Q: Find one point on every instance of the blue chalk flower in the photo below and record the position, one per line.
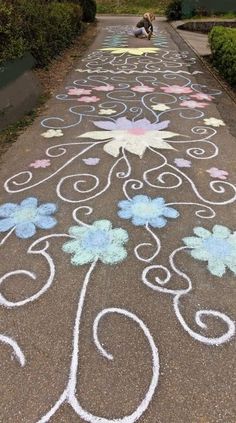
(217, 248)
(26, 217)
(144, 210)
(98, 241)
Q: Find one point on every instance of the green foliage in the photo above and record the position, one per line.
(174, 10)
(45, 28)
(12, 44)
(223, 45)
(137, 7)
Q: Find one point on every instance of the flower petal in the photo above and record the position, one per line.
(45, 222)
(220, 231)
(47, 209)
(202, 232)
(200, 254)
(193, 242)
(232, 265)
(124, 204)
(141, 199)
(6, 224)
(163, 125)
(72, 246)
(97, 135)
(119, 236)
(83, 257)
(114, 254)
(25, 230)
(113, 147)
(158, 202)
(170, 212)
(29, 202)
(78, 231)
(105, 225)
(216, 267)
(7, 209)
(139, 221)
(137, 148)
(158, 222)
(103, 124)
(125, 214)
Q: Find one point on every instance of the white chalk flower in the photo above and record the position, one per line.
(160, 107)
(50, 133)
(106, 112)
(214, 122)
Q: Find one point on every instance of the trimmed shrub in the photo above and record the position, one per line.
(44, 28)
(223, 46)
(12, 43)
(173, 11)
(89, 8)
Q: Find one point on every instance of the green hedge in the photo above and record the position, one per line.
(44, 28)
(223, 46)
(173, 10)
(12, 42)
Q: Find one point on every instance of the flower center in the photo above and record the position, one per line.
(25, 215)
(96, 240)
(218, 247)
(137, 131)
(146, 210)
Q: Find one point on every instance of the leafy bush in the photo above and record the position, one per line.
(174, 10)
(223, 45)
(12, 43)
(45, 28)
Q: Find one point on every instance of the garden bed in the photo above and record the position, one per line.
(206, 26)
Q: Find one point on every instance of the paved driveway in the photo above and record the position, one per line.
(118, 250)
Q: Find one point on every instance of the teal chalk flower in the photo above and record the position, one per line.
(217, 248)
(96, 242)
(26, 217)
(143, 210)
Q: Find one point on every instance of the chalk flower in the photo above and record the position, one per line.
(143, 89)
(214, 172)
(51, 133)
(106, 112)
(87, 99)
(160, 107)
(176, 89)
(183, 163)
(191, 104)
(26, 217)
(79, 91)
(217, 248)
(134, 51)
(202, 96)
(40, 163)
(143, 210)
(214, 122)
(107, 87)
(96, 242)
(135, 137)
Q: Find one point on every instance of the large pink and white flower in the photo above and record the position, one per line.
(79, 91)
(176, 89)
(202, 96)
(135, 137)
(92, 99)
(104, 88)
(191, 104)
(143, 89)
(40, 163)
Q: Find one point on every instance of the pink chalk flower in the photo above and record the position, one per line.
(214, 172)
(40, 163)
(142, 89)
(183, 163)
(202, 96)
(78, 91)
(176, 89)
(86, 99)
(191, 104)
(104, 88)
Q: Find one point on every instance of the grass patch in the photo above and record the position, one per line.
(135, 7)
